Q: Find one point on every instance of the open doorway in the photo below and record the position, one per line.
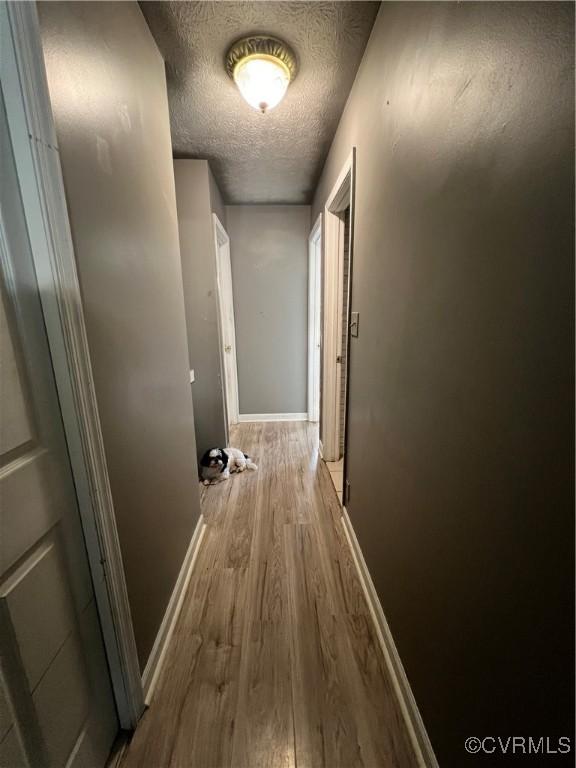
(314, 318)
(226, 323)
(338, 227)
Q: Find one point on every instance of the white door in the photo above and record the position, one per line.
(226, 321)
(314, 330)
(56, 704)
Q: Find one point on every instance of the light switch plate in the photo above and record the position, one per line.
(354, 322)
(191, 376)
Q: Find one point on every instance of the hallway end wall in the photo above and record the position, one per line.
(108, 92)
(461, 448)
(269, 253)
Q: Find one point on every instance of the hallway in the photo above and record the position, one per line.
(274, 660)
(296, 227)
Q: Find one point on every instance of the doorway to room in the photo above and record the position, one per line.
(337, 326)
(226, 323)
(314, 319)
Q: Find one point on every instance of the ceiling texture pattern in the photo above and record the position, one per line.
(271, 158)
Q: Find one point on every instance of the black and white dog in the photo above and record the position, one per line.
(217, 464)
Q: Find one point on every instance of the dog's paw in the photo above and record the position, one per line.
(206, 482)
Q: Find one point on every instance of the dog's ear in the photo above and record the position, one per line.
(224, 457)
(205, 460)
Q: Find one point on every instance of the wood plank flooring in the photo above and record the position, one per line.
(274, 661)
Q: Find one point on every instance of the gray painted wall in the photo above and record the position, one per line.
(197, 196)
(461, 385)
(269, 252)
(108, 92)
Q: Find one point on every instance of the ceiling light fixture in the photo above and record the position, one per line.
(262, 67)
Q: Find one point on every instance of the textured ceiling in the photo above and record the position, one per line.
(272, 158)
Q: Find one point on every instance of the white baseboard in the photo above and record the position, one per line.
(244, 417)
(417, 731)
(158, 653)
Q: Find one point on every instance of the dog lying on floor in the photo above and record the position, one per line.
(218, 463)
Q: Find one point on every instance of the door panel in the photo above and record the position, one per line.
(25, 476)
(6, 719)
(39, 609)
(62, 701)
(55, 696)
(11, 753)
(17, 422)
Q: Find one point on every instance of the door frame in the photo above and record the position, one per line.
(341, 196)
(314, 318)
(226, 327)
(42, 188)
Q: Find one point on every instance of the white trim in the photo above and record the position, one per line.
(245, 417)
(339, 199)
(314, 318)
(226, 325)
(158, 653)
(422, 747)
(38, 165)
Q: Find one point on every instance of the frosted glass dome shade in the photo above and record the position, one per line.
(262, 80)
